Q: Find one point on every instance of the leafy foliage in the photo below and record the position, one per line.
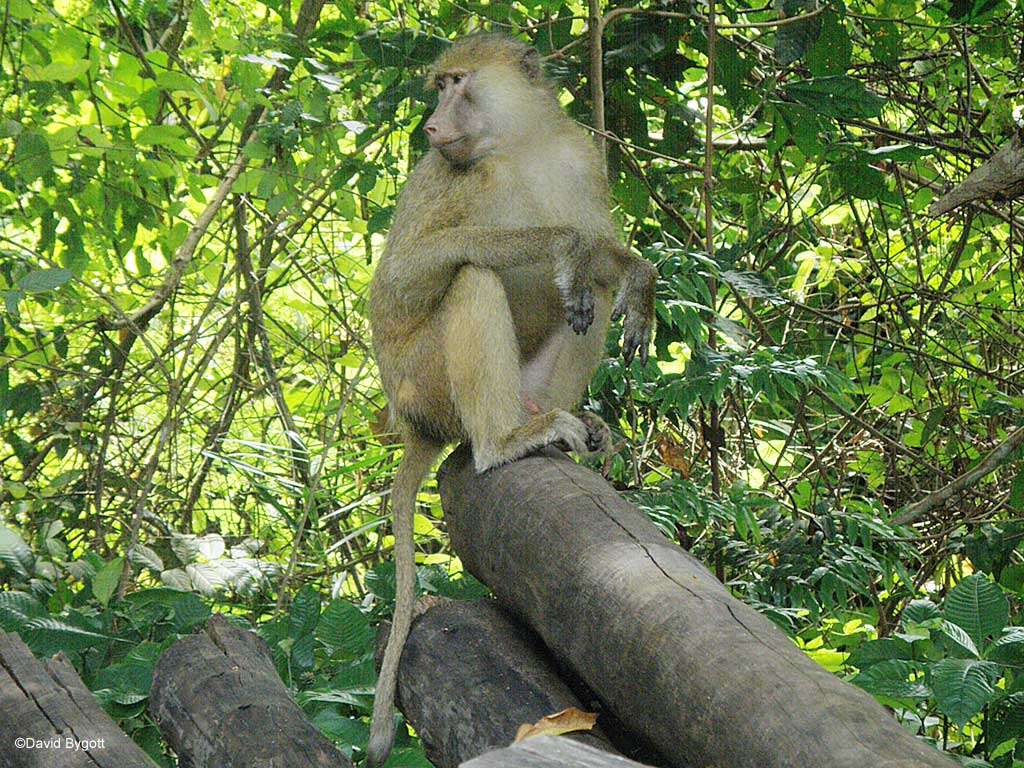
(193, 197)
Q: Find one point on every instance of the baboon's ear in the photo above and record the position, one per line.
(530, 62)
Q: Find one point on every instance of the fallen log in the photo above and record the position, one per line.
(220, 703)
(49, 718)
(550, 752)
(470, 676)
(701, 675)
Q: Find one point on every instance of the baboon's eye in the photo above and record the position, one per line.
(456, 79)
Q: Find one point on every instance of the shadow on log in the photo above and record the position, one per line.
(220, 703)
(470, 676)
(551, 752)
(704, 677)
(49, 719)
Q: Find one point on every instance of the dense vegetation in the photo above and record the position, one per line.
(192, 197)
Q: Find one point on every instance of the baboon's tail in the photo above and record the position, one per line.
(416, 462)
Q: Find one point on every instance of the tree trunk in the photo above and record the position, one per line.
(220, 703)
(470, 676)
(550, 752)
(49, 718)
(704, 677)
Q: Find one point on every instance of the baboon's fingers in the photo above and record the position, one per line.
(636, 339)
(579, 310)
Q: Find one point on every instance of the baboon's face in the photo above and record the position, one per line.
(459, 128)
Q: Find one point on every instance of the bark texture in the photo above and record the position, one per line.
(470, 676)
(705, 678)
(47, 703)
(220, 703)
(999, 178)
(550, 752)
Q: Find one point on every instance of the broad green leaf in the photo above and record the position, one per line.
(104, 583)
(922, 612)
(960, 638)
(48, 635)
(15, 554)
(42, 280)
(883, 649)
(60, 71)
(304, 612)
(1009, 648)
(840, 97)
(1016, 498)
(1005, 719)
(962, 687)
(792, 40)
(343, 627)
(979, 606)
(32, 158)
(832, 51)
(892, 678)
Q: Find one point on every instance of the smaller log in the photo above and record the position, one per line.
(1000, 178)
(220, 703)
(48, 717)
(470, 676)
(550, 752)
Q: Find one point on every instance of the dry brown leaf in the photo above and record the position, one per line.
(566, 721)
(673, 455)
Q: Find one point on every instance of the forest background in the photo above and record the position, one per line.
(193, 195)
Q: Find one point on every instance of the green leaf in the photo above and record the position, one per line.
(1009, 648)
(832, 51)
(960, 637)
(883, 649)
(962, 687)
(792, 40)
(1005, 720)
(59, 71)
(922, 612)
(32, 156)
(979, 606)
(343, 627)
(42, 280)
(48, 635)
(1016, 498)
(892, 679)
(304, 613)
(15, 553)
(105, 582)
(839, 97)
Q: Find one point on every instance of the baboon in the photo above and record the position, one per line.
(492, 299)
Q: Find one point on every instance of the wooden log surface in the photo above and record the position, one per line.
(48, 718)
(704, 677)
(470, 676)
(220, 703)
(550, 752)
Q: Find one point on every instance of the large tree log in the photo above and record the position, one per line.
(220, 703)
(470, 676)
(704, 677)
(550, 752)
(49, 719)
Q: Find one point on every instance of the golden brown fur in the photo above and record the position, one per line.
(502, 234)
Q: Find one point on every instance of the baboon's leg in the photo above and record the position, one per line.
(482, 359)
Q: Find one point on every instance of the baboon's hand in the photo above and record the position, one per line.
(637, 328)
(599, 437)
(575, 284)
(579, 308)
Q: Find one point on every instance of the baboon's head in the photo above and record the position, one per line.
(491, 94)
